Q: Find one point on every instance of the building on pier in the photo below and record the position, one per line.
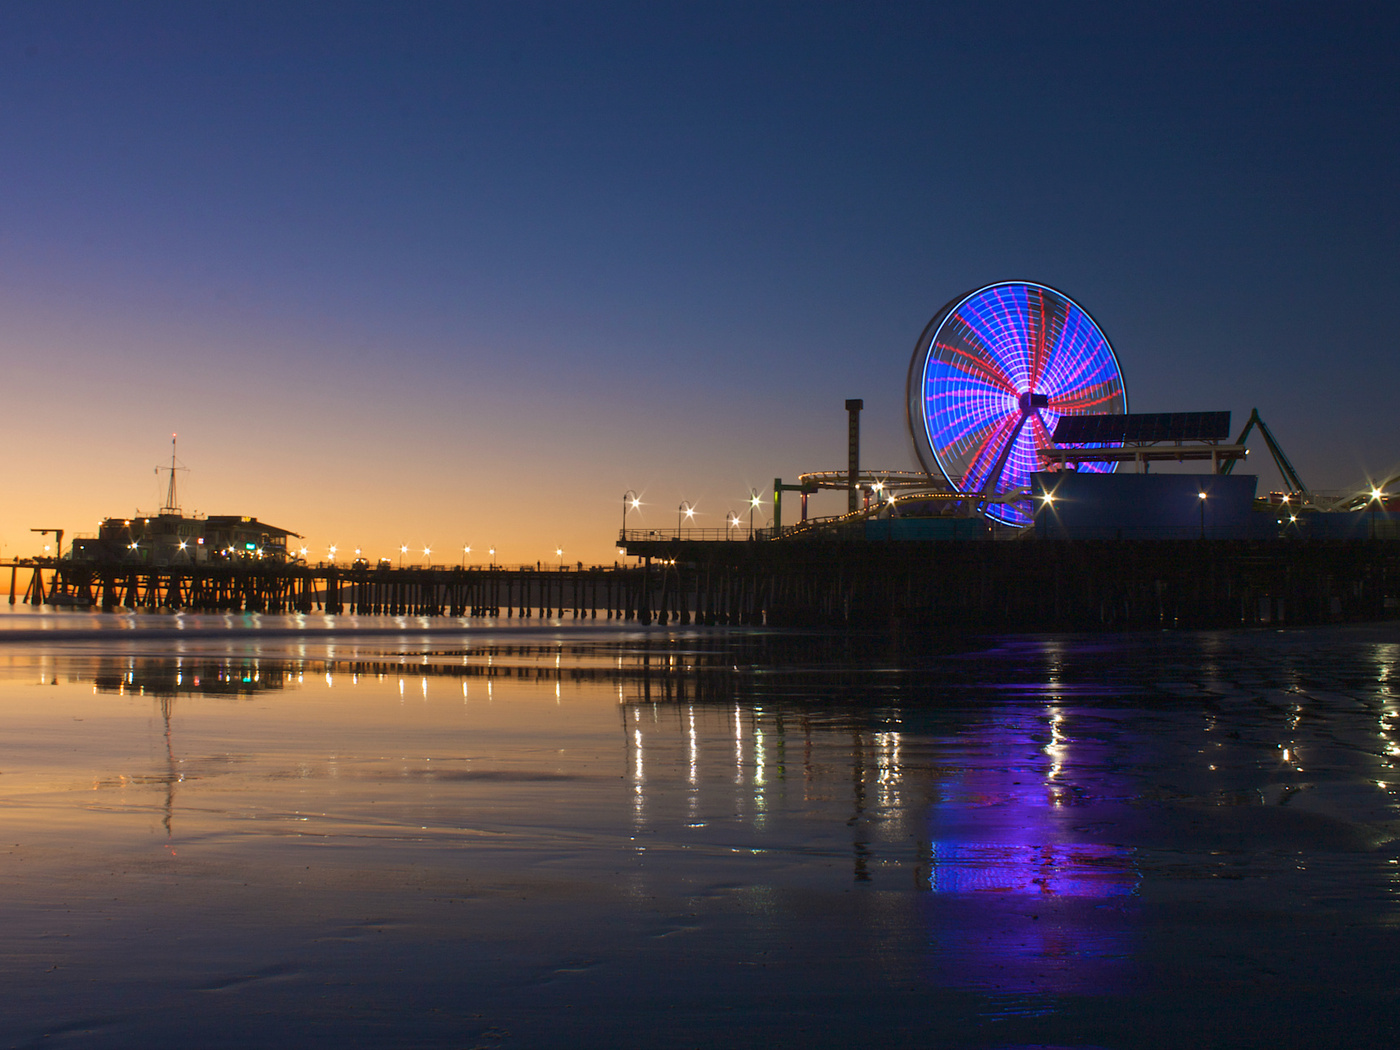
(173, 539)
(169, 538)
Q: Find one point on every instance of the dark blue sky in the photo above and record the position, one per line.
(552, 251)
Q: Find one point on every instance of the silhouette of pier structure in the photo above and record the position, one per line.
(645, 593)
(945, 585)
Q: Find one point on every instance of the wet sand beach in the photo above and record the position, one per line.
(232, 831)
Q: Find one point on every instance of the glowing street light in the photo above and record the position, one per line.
(755, 501)
(1202, 502)
(493, 557)
(403, 549)
(559, 553)
(334, 548)
(428, 553)
(630, 501)
(731, 522)
(465, 552)
(685, 511)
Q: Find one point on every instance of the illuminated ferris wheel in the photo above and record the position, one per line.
(992, 373)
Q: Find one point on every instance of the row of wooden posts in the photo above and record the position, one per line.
(1032, 585)
(660, 593)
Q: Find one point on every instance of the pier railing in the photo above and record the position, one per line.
(736, 535)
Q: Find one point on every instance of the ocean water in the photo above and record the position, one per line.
(229, 831)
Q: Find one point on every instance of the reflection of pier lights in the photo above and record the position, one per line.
(760, 770)
(168, 820)
(870, 770)
(738, 745)
(693, 755)
(889, 772)
(1055, 749)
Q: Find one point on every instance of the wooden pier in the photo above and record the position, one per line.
(617, 592)
(939, 585)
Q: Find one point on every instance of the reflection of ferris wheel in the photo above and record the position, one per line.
(992, 373)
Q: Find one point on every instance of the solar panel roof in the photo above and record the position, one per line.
(1142, 427)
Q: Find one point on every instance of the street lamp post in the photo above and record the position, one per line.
(465, 552)
(428, 553)
(1202, 501)
(559, 553)
(1376, 495)
(630, 501)
(731, 522)
(685, 510)
(754, 501)
(403, 549)
(493, 557)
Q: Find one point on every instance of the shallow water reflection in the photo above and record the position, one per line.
(663, 839)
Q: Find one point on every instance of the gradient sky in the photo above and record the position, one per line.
(463, 273)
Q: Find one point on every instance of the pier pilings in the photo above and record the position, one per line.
(1000, 586)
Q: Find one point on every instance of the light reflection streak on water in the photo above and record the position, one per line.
(692, 748)
(760, 799)
(759, 764)
(1056, 748)
(888, 769)
(693, 764)
(638, 782)
(1385, 656)
(738, 745)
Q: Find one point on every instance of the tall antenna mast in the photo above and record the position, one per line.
(171, 507)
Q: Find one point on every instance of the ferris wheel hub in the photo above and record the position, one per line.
(1031, 401)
